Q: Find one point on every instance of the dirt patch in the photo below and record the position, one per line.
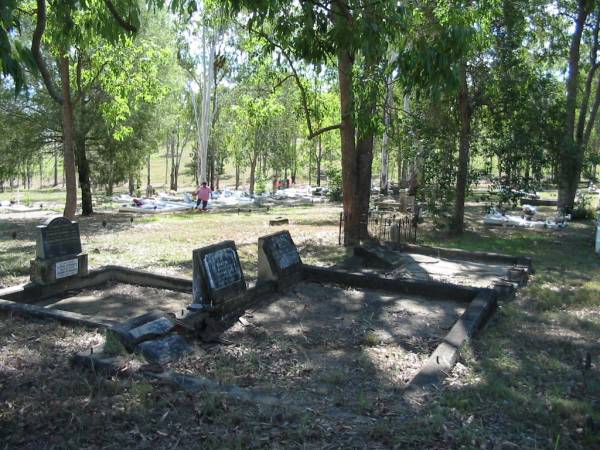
(119, 301)
(328, 345)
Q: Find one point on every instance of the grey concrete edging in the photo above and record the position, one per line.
(434, 289)
(442, 360)
(27, 309)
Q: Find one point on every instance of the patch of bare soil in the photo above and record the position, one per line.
(46, 403)
(120, 301)
(329, 346)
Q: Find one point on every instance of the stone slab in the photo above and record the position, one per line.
(151, 330)
(276, 221)
(166, 349)
(217, 274)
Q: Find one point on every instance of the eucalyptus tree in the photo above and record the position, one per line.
(59, 28)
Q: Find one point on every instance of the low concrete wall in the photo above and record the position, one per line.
(29, 310)
(34, 293)
(440, 362)
(413, 287)
(149, 279)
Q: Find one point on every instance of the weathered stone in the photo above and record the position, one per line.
(122, 330)
(151, 330)
(276, 221)
(47, 271)
(166, 349)
(278, 259)
(59, 236)
(217, 274)
(58, 252)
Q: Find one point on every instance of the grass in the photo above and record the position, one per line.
(523, 383)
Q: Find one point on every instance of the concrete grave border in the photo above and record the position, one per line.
(481, 302)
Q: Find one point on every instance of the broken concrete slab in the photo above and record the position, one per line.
(151, 330)
(166, 349)
(147, 326)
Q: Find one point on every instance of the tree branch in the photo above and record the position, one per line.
(303, 95)
(314, 134)
(36, 42)
(120, 21)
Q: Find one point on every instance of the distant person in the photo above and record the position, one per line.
(203, 194)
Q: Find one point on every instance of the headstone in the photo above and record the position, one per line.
(217, 274)
(58, 252)
(59, 236)
(279, 260)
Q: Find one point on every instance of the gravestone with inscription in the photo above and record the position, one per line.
(58, 253)
(218, 275)
(278, 259)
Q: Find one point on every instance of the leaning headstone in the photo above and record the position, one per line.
(279, 260)
(217, 275)
(58, 253)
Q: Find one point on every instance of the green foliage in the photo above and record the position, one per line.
(334, 175)
(583, 209)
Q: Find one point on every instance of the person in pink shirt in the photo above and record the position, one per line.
(203, 194)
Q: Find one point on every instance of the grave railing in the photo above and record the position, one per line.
(383, 226)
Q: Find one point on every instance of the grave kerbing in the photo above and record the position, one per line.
(58, 252)
(217, 275)
(279, 260)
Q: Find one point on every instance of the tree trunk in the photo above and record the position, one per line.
(167, 146)
(55, 168)
(237, 176)
(173, 175)
(41, 172)
(465, 113)
(131, 184)
(319, 156)
(570, 155)
(309, 167)
(352, 211)
(387, 123)
(83, 168)
(252, 175)
(399, 163)
(148, 183)
(68, 138)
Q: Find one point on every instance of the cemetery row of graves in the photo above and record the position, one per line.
(281, 337)
(310, 224)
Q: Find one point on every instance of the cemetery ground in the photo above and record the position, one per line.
(530, 379)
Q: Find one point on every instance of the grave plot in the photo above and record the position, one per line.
(314, 336)
(117, 301)
(334, 339)
(326, 344)
(62, 286)
(477, 269)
